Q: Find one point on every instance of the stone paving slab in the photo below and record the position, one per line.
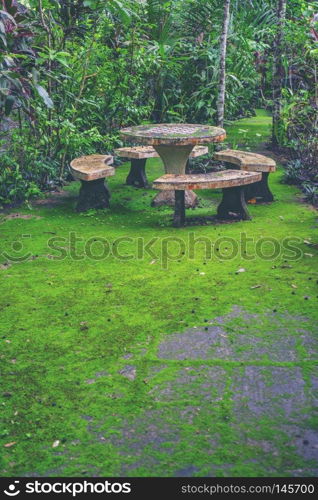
(216, 343)
(207, 419)
(276, 392)
(191, 383)
(242, 336)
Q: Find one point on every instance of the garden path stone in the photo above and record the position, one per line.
(217, 343)
(241, 336)
(129, 371)
(195, 383)
(128, 355)
(153, 429)
(277, 392)
(189, 471)
(265, 406)
(90, 381)
(306, 443)
(195, 344)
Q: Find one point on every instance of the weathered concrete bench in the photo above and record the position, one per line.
(91, 171)
(252, 162)
(138, 156)
(232, 182)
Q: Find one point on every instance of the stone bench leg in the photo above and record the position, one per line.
(233, 201)
(93, 195)
(263, 188)
(179, 209)
(250, 192)
(259, 190)
(137, 175)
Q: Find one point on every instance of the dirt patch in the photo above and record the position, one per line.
(5, 266)
(17, 215)
(53, 199)
(210, 220)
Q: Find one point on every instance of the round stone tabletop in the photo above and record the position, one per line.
(169, 134)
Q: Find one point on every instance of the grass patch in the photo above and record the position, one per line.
(75, 314)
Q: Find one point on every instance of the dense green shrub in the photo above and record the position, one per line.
(298, 130)
(75, 72)
(16, 184)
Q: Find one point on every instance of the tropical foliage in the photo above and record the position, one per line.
(73, 72)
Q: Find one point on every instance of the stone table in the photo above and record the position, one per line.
(173, 143)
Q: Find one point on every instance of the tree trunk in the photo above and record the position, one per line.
(278, 70)
(223, 47)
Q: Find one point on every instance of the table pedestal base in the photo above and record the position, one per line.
(93, 195)
(175, 159)
(167, 198)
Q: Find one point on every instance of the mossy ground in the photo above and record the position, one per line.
(70, 325)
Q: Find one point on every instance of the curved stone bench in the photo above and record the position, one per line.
(138, 156)
(232, 182)
(252, 162)
(91, 171)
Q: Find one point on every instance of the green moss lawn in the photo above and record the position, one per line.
(160, 363)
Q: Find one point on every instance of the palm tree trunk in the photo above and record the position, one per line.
(278, 72)
(223, 47)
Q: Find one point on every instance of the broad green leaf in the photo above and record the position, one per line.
(45, 96)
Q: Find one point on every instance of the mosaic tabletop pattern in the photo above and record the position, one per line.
(174, 134)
